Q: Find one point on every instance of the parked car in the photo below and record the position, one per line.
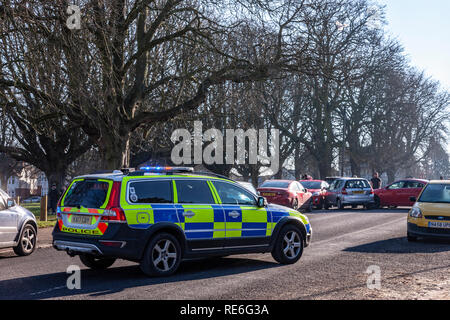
(18, 227)
(249, 187)
(34, 199)
(160, 216)
(399, 193)
(330, 180)
(287, 193)
(318, 188)
(350, 192)
(430, 215)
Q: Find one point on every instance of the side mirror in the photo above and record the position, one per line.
(412, 199)
(262, 202)
(11, 203)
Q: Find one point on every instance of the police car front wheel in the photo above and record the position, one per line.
(163, 255)
(289, 246)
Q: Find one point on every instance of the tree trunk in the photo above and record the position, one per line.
(115, 153)
(391, 175)
(355, 167)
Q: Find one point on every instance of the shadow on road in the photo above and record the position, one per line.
(114, 280)
(358, 210)
(402, 246)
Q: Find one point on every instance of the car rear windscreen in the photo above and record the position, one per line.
(357, 184)
(312, 184)
(275, 184)
(87, 193)
(436, 193)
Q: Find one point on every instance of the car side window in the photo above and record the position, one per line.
(397, 185)
(194, 191)
(231, 194)
(413, 184)
(151, 192)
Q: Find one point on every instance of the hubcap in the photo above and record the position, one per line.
(291, 244)
(164, 255)
(28, 240)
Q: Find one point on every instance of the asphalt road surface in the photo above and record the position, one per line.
(344, 245)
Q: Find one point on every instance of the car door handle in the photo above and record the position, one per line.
(234, 214)
(188, 214)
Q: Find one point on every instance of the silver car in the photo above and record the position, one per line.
(350, 192)
(18, 227)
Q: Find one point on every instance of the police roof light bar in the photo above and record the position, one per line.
(167, 169)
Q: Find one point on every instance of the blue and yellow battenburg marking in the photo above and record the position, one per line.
(208, 221)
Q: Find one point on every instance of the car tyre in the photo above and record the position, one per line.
(289, 245)
(27, 241)
(339, 204)
(162, 256)
(310, 206)
(96, 263)
(295, 204)
(411, 238)
(377, 204)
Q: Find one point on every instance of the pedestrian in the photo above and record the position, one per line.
(441, 178)
(376, 181)
(53, 197)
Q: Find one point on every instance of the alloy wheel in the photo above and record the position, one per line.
(291, 244)
(164, 255)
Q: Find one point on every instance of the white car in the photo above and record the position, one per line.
(18, 227)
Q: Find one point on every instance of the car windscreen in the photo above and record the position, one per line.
(312, 184)
(275, 184)
(436, 193)
(357, 184)
(87, 193)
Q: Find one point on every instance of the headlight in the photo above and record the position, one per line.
(415, 213)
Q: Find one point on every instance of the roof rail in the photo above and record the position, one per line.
(121, 171)
(211, 174)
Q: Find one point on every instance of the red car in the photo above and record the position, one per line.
(318, 188)
(398, 193)
(287, 193)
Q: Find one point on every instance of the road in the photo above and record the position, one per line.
(345, 244)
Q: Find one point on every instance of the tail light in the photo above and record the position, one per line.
(113, 212)
(344, 191)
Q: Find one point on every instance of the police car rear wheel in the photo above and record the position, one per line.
(289, 246)
(163, 255)
(96, 263)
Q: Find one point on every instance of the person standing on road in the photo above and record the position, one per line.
(53, 197)
(376, 181)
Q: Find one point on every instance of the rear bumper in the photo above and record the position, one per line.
(358, 200)
(416, 231)
(125, 243)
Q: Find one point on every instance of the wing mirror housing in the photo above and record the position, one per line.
(11, 203)
(262, 202)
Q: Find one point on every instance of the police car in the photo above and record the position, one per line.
(158, 216)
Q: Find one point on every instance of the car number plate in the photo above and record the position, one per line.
(358, 192)
(441, 225)
(79, 219)
(269, 194)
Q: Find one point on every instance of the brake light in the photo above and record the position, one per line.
(344, 191)
(113, 211)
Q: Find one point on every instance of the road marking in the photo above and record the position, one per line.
(47, 291)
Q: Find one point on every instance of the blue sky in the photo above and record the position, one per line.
(423, 27)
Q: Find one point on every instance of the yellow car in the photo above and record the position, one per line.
(430, 215)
